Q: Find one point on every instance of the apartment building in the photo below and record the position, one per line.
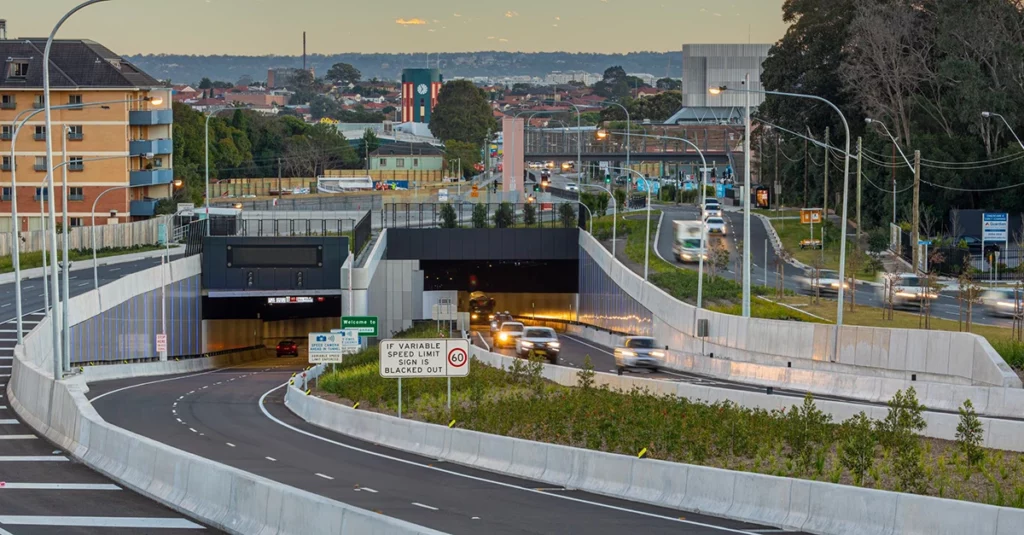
(115, 120)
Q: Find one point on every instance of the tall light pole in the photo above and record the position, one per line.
(628, 131)
(49, 166)
(95, 271)
(647, 238)
(615, 211)
(869, 120)
(988, 114)
(846, 196)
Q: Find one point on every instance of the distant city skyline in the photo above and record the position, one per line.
(263, 27)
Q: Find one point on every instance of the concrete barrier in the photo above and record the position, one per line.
(791, 504)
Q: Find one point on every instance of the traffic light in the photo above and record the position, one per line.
(607, 178)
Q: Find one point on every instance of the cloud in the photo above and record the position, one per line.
(490, 37)
(703, 10)
(503, 40)
(410, 22)
(558, 18)
(510, 14)
(457, 15)
(436, 21)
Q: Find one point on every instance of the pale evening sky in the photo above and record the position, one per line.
(260, 27)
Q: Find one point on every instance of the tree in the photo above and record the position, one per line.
(858, 447)
(467, 153)
(343, 74)
(318, 148)
(323, 106)
(615, 84)
(462, 113)
(205, 83)
(970, 434)
(567, 214)
(530, 214)
(669, 84)
(504, 216)
(305, 87)
(479, 215)
(448, 217)
(369, 143)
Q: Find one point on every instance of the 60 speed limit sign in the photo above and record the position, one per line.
(457, 357)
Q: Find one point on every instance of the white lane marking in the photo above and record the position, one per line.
(192, 429)
(100, 522)
(115, 269)
(8, 421)
(367, 489)
(318, 474)
(5, 305)
(18, 437)
(31, 459)
(82, 284)
(230, 444)
(274, 419)
(417, 504)
(271, 459)
(58, 486)
(179, 420)
(105, 394)
(3, 407)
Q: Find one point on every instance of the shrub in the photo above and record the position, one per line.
(898, 432)
(878, 240)
(530, 214)
(448, 217)
(858, 447)
(620, 199)
(480, 216)
(969, 434)
(807, 429)
(504, 216)
(567, 214)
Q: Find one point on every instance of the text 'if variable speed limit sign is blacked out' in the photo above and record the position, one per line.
(439, 357)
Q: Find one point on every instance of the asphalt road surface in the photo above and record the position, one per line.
(237, 416)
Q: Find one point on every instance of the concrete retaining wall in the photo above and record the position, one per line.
(815, 507)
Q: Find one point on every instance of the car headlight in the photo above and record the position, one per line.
(659, 354)
(494, 325)
(905, 294)
(490, 317)
(626, 353)
(1005, 304)
(554, 344)
(527, 344)
(503, 337)
(475, 316)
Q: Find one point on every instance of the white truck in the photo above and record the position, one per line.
(687, 244)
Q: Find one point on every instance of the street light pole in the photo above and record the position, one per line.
(647, 238)
(65, 261)
(987, 114)
(910, 165)
(628, 131)
(615, 212)
(746, 201)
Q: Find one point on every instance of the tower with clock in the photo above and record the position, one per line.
(420, 88)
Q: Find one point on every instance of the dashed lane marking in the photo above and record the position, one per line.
(425, 506)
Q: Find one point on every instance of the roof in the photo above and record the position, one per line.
(73, 64)
(408, 149)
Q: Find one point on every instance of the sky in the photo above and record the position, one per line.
(262, 27)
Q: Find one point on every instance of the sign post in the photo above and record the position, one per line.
(363, 325)
(994, 228)
(161, 345)
(325, 348)
(435, 357)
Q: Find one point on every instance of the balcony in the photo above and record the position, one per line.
(9, 105)
(39, 167)
(37, 104)
(143, 208)
(151, 177)
(75, 136)
(151, 146)
(6, 136)
(150, 117)
(5, 166)
(76, 167)
(39, 137)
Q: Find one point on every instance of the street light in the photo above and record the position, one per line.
(647, 239)
(590, 215)
(49, 166)
(628, 130)
(988, 114)
(869, 120)
(846, 197)
(615, 212)
(92, 229)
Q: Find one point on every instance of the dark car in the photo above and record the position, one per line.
(287, 347)
(481, 307)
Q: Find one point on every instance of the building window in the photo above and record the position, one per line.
(399, 162)
(42, 194)
(76, 221)
(18, 68)
(76, 163)
(415, 162)
(158, 163)
(76, 101)
(37, 102)
(7, 102)
(5, 195)
(40, 133)
(40, 163)
(75, 132)
(5, 163)
(6, 132)
(383, 162)
(76, 194)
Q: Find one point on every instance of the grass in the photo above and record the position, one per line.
(792, 232)
(799, 442)
(35, 259)
(786, 212)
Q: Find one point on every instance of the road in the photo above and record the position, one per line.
(219, 415)
(43, 490)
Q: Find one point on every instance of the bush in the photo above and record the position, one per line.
(878, 240)
(1012, 352)
(530, 214)
(448, 217)
(620, 199)
(504, 216)
(668, 193)
(480, 216)
(969, 434)
(567, 214)
(858, 448)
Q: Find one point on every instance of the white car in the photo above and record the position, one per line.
(909, 289)
(508, 334)
(716, 226)
(712, 210)
(571, 186)
(1003, 302)
(542, 341)
(827, 282)
(638, 352)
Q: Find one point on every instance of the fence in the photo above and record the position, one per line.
(282, 227)
(361, 233)
(952, 260)
(317, 204)
(480, 215)
(120, 235)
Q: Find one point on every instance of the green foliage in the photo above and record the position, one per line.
(449, 219)
(504, 216)
(620, 199)
(343, 74)
(878, 240)
(807, 430)
(530, 214)
(462, 113)
(466, 152)
(585, 377)
(480, 216)
(970, 434)
(567, 214)
(368, 144)
(596, 202)
(858, 448)
(898, 433)
(668, 193)
(1012, 352)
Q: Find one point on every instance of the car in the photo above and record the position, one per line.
(712, 209)
(571, 186)
(542, 341)
(688, 250)
(827, 282)
(508, 333)
(907, 289)
(287, 348)
(545, 174)
(621, 180)
(498, 319)
(638, 352)
(1003, 302)
(480, 307)
(716, 226)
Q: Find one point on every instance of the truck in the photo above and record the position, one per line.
(686, 247)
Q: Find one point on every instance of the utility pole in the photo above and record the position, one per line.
(824, 207)
(279, 179)
(807, 191)
(859, 150)
(894, 183)
(778, 187)
(915, 233)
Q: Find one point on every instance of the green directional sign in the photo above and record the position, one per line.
(364, 325)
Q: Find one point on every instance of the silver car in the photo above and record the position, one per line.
(1004, 302)
(508, 333)
(638, 352)
(542, 341)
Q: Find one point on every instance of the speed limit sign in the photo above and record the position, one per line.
(457, 357)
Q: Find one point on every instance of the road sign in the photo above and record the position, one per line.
(186, 206)
(351, 342)
(364, 325)
(325, 348)
(995, 227)
(924, 242)
(442, 195)
(810, 216)
(161, 343)
(438, 357)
